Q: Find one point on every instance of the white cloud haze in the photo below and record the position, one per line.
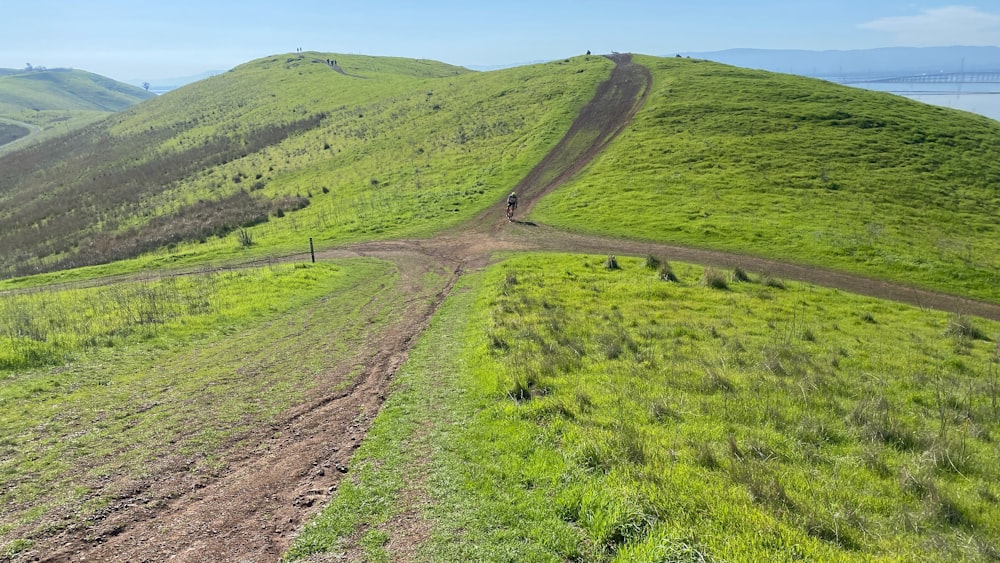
(950, 25)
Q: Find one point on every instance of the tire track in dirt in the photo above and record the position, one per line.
(252, 511)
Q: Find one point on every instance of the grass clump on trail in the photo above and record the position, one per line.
(588, 414)
(799, 169)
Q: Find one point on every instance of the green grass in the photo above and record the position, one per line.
(121, 401)
(401, 148)
(799, 169)
(65, 89)
(563, 411)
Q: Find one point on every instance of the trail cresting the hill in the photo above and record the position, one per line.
(252, 511)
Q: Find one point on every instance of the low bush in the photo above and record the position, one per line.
(714, 279)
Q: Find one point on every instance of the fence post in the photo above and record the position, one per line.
(312, 252)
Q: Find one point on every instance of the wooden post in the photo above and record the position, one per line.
(312, 252)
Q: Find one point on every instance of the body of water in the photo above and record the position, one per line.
(983, 104)
(982, 99)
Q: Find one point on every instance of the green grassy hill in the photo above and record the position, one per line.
(65, 89)
(393, 147)
(57, 101)
(556, 406)
(784, 166)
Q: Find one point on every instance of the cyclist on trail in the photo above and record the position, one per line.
(511, 206)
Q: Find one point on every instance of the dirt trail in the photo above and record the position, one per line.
(33, 130)
(250, 513)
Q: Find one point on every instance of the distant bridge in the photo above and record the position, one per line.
(992, 77)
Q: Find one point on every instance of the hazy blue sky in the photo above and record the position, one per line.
(152, 39)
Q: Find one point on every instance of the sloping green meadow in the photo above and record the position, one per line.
(65, 90)
(795, 168)
(102, 389)
(559, 410)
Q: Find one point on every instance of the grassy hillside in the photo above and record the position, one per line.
(559, 410)
(800, 169)
(556, 408)
(65, 89)
(57, 101)
(387, 147)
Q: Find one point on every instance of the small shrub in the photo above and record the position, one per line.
(652, 262)
(961, 326)
(868, 318)
(776, 283)
(245, 238)
(739, 275)
(611, 263)
(714, 279)
(667, 273)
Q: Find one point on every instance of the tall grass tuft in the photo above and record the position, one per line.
(245, 238)
(714, 279)
(961, 326)
(666, 273)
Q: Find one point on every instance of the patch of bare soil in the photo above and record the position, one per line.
(252, 511)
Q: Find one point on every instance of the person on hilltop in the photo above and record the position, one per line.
(511, 206)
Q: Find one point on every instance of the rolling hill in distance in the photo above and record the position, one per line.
(65, 89)
(57, 100)
(630, 371)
